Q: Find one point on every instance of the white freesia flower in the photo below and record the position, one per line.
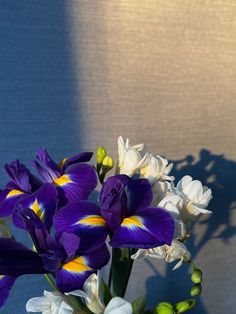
(176, 251)
(50, 303)
(130, 159)
(91, 294)
(92, 299)
(196, 197)
(173, 204)
(118, 305)
(156, 169)
(160, 190)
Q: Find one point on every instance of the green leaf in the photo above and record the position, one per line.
(138, 305)
(105, 292)
(121, 268)
(78, 304)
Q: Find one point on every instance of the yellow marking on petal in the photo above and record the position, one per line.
(144, 170)
(62, 162)
(133, 221)
(37, 208)
(77, 265)
(93, 220)
(2, 276)
(13, 193)
(63, 180)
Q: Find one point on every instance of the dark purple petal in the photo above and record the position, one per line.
(139, 194)
(83, 218)
(73, 274)
(148, 228)
(8, 199)
(25, 218)
(46, 167)
(44, 173)
(77, 183)
(113, 200)
(82, 157)
(70, 242)
(6, 283)
(22, 177)
(16, 259)
(43, 202)
(54, 254)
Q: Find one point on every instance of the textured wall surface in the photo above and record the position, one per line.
(75, 74)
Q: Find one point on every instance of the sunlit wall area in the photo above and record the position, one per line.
(164, 73)
(158, 71)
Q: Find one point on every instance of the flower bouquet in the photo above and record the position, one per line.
(139, 213)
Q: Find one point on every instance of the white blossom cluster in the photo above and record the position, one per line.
(184, 200)
(57, 303)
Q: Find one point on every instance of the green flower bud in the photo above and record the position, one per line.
(184, 306)
(164, 308)
(101, 154)
(107, 164)
(196, 290)
(196, 276)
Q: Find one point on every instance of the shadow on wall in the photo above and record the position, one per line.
(219, 174)
(39, 98)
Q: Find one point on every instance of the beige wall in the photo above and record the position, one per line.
(164, 73)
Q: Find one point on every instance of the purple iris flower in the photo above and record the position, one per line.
(72, 182)
(125, 214)
(61, 256)
(43, 203)
(125, 204)
(22, 182)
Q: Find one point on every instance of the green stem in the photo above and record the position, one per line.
(50, 281)
(120, 270)
(110, 278)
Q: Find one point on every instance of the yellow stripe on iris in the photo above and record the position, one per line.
(38, 209)
(13, 193)
(93, 220)
(132, 221)
(77, 265)
(62, 162)
(2, 276)
(63, 180)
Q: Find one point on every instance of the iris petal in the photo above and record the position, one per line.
(16, 259)
(46, 167)
(6, 283)
(43, 202)
(77, 183)
(149, 227)
(82, 157)
(73, 274)
(84, 219)
(139, 194)
(8, 199)
(22, 177)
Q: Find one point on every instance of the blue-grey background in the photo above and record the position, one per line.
(76, 74)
